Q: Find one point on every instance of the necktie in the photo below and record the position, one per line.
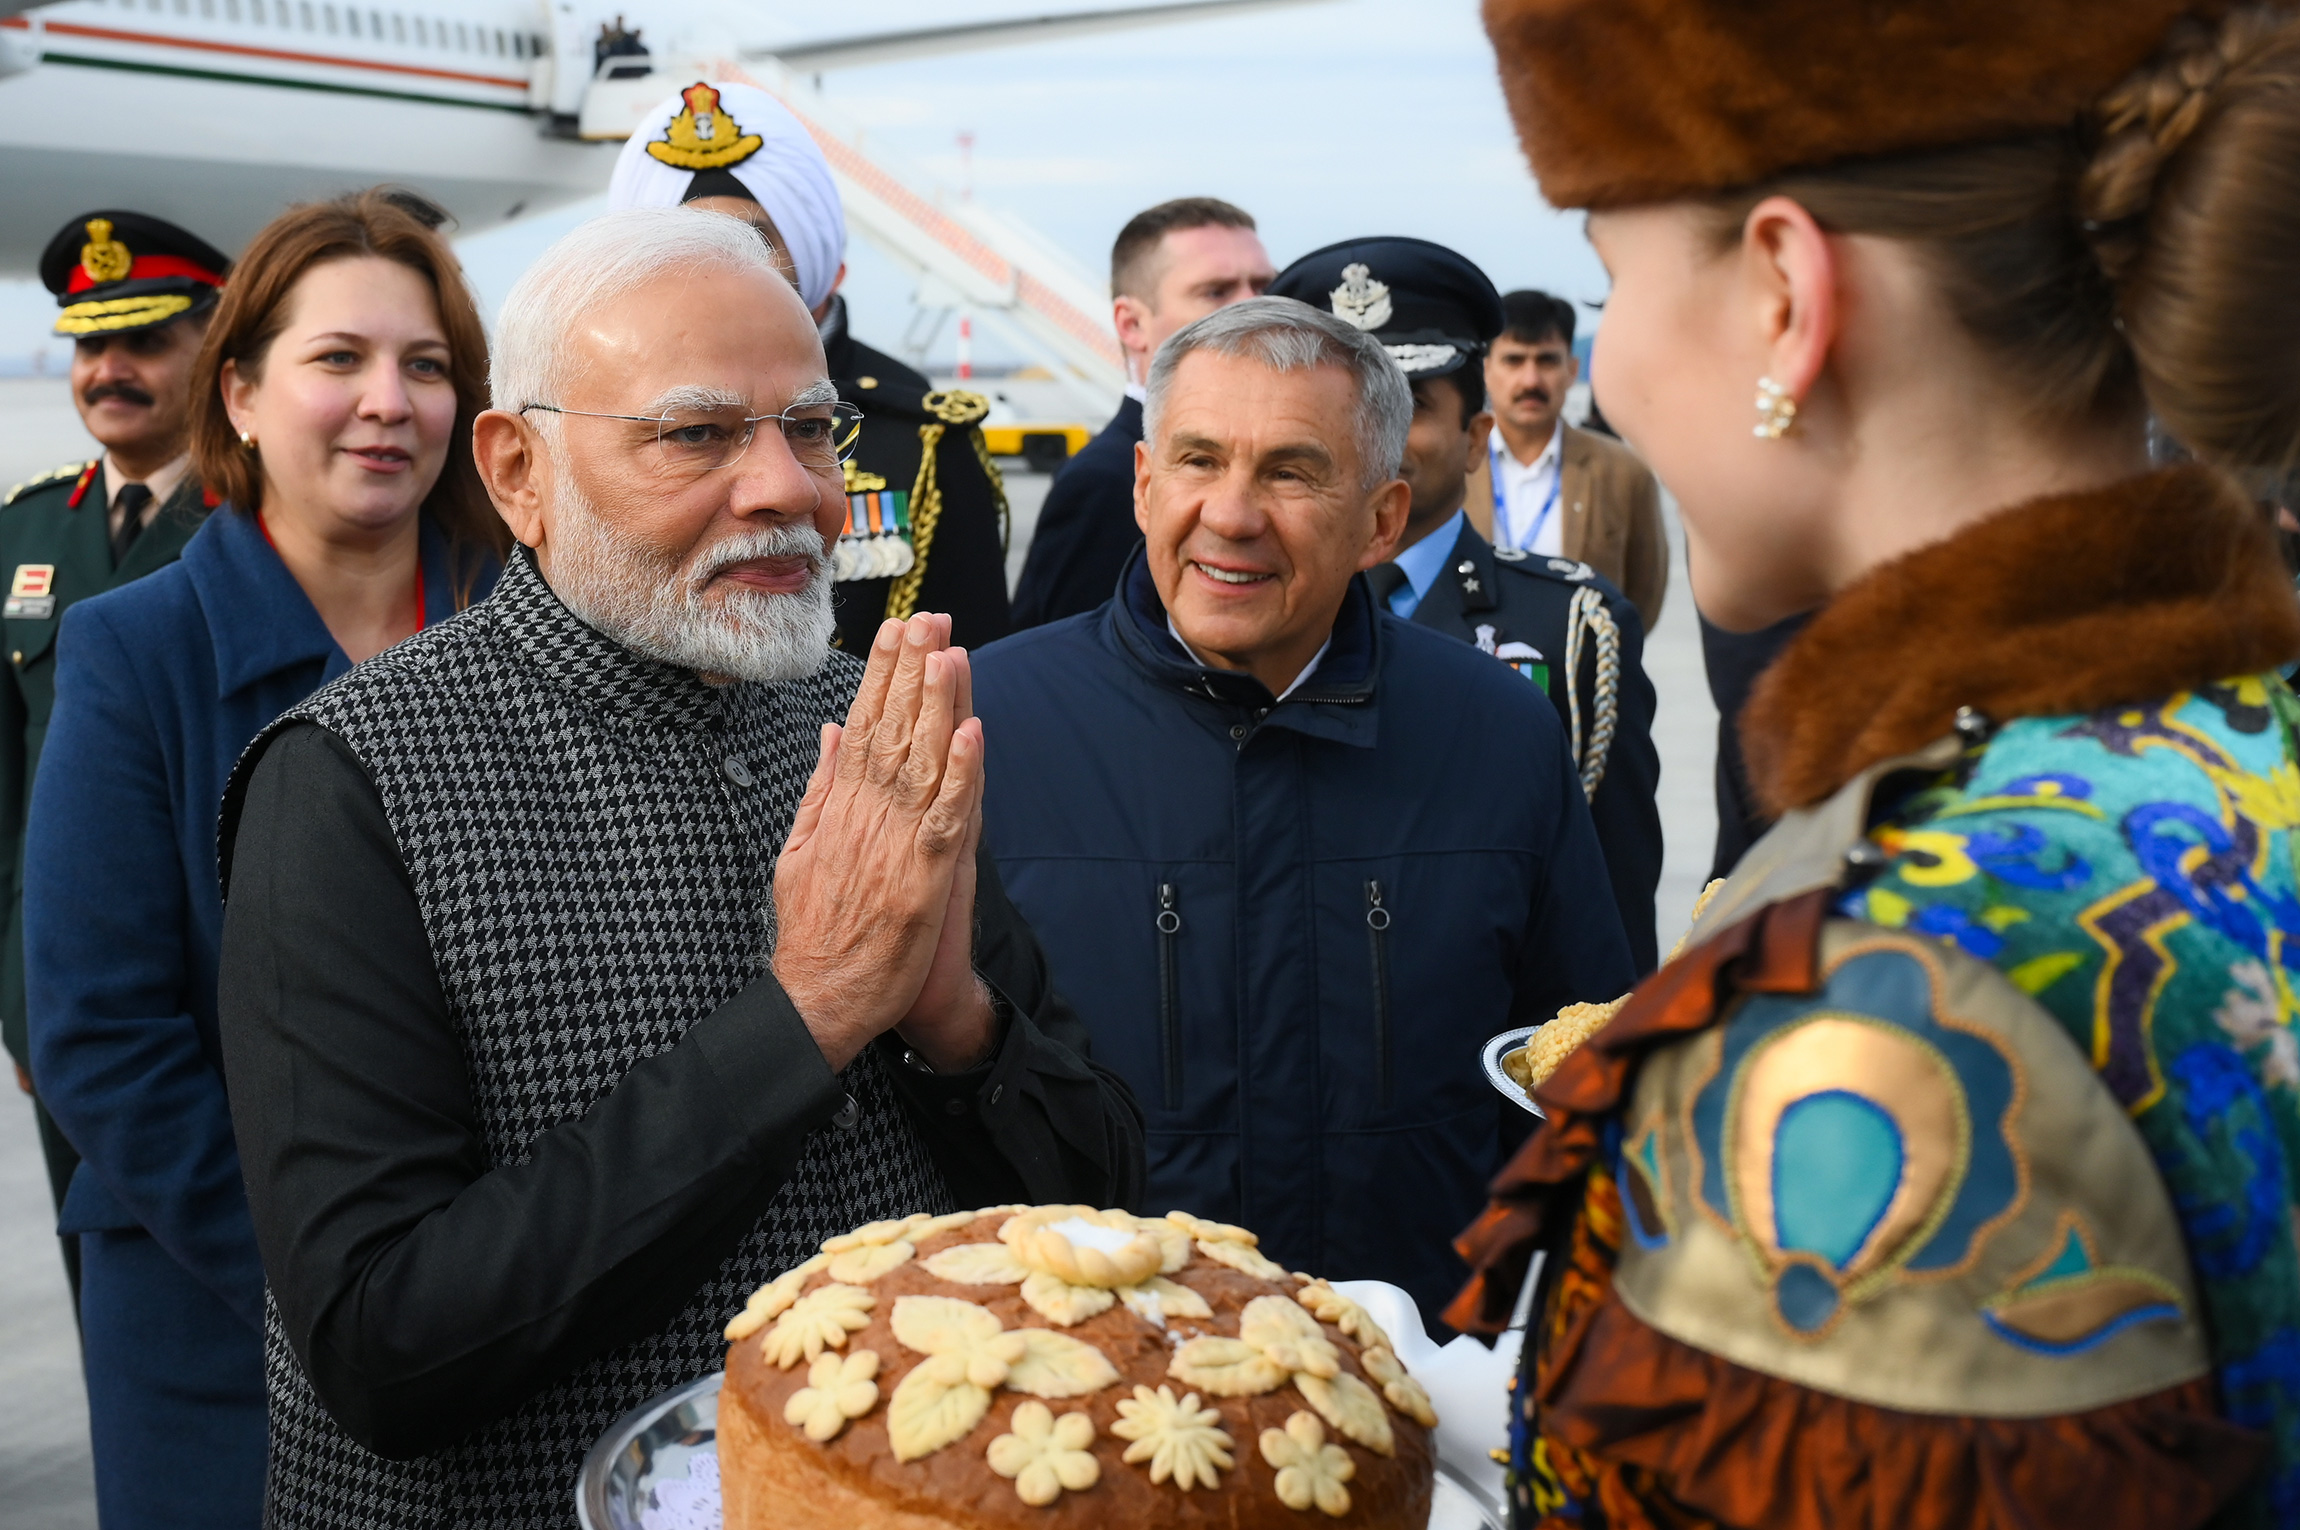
(1387, 579)
(133, 498)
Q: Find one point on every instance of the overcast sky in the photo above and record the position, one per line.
(1325, 120)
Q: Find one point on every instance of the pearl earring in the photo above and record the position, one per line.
(1776, 410)
(248, 439)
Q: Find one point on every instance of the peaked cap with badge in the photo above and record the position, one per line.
(113, 271)
(1944, 1176)
(1433, 310)
(926, 506)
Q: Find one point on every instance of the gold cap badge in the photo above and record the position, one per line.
(703, 137)
(104, 258)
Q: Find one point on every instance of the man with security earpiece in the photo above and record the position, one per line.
(926, 509)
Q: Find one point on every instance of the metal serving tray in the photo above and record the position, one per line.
(658, 1469)
(1498, 1048)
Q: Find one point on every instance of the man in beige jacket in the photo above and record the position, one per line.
(1568, 493)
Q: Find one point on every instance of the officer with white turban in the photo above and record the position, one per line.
(926, 510)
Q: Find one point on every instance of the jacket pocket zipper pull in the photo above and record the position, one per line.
(1378, 933)
(1169, 994)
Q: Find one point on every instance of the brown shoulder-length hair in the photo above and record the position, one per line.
(380, 222)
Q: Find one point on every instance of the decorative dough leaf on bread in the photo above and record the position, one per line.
(932, 1406)
(771, 1300)
(1352, 1408)
(951, 1329)
(1058, 1301)
(1173, 1242)
(1333, 1307)
(820, 1320)
(921, 1226)
(1056, 1365)
(1243, 1257)
(978, 1264)
(1213, 1232)
(861, 1266)
(1404, 1393)
(1226, 1368)
(1289, 1336)
(1157, 1299)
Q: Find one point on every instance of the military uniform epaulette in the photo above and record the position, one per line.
(69, 471)
(1558, 570)
(900, 396)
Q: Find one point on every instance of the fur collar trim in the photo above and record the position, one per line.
(2065, 604)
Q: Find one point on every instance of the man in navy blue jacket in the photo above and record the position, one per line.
(1242, 808)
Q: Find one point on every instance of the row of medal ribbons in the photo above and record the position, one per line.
(876, 542)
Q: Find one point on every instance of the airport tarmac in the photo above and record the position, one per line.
(45, 1482)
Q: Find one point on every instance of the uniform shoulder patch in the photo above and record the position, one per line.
(68, 471)
(956, 406)
(1579, 573)
(1510, 554)
(887, 396)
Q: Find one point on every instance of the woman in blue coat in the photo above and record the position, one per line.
(332, 413)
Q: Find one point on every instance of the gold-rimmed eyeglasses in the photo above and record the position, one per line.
(696, 439)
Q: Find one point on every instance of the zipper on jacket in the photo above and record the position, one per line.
(1378, 932)
(1169, 995)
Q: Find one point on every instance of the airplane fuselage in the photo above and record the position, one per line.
(218, 113)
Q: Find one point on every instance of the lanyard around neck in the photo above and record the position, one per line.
(1501, 497)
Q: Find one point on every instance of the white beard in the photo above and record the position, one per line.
(652, 606)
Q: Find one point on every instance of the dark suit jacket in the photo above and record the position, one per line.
(162, 684)
(1529, 600)
(1086, 528)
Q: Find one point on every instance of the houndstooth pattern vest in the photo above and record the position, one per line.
(591, 838)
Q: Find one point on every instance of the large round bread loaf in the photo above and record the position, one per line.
(1063, 1368)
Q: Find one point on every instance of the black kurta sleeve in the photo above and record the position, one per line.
(1038, 1122)
(427, 1293)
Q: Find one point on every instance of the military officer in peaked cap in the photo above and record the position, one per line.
(926, 507)
(135, 293)
(1553, 620)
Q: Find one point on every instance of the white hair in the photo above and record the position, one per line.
(1289, 336)
(595, 264)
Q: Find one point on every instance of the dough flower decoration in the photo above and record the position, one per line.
(862, 1256)
(1310, 1472)
(1074, 1261)
(969, 1353)
(772, 1300)
(1233, 1246)
(1276, 1342)
(820, 1320)
(1179, 1439)
(837, 1389)
(1405, 1394)
(1044, 1456)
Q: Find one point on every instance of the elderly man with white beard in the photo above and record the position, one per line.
(555, 1019)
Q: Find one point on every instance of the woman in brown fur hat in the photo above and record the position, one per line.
(1948, 1177)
